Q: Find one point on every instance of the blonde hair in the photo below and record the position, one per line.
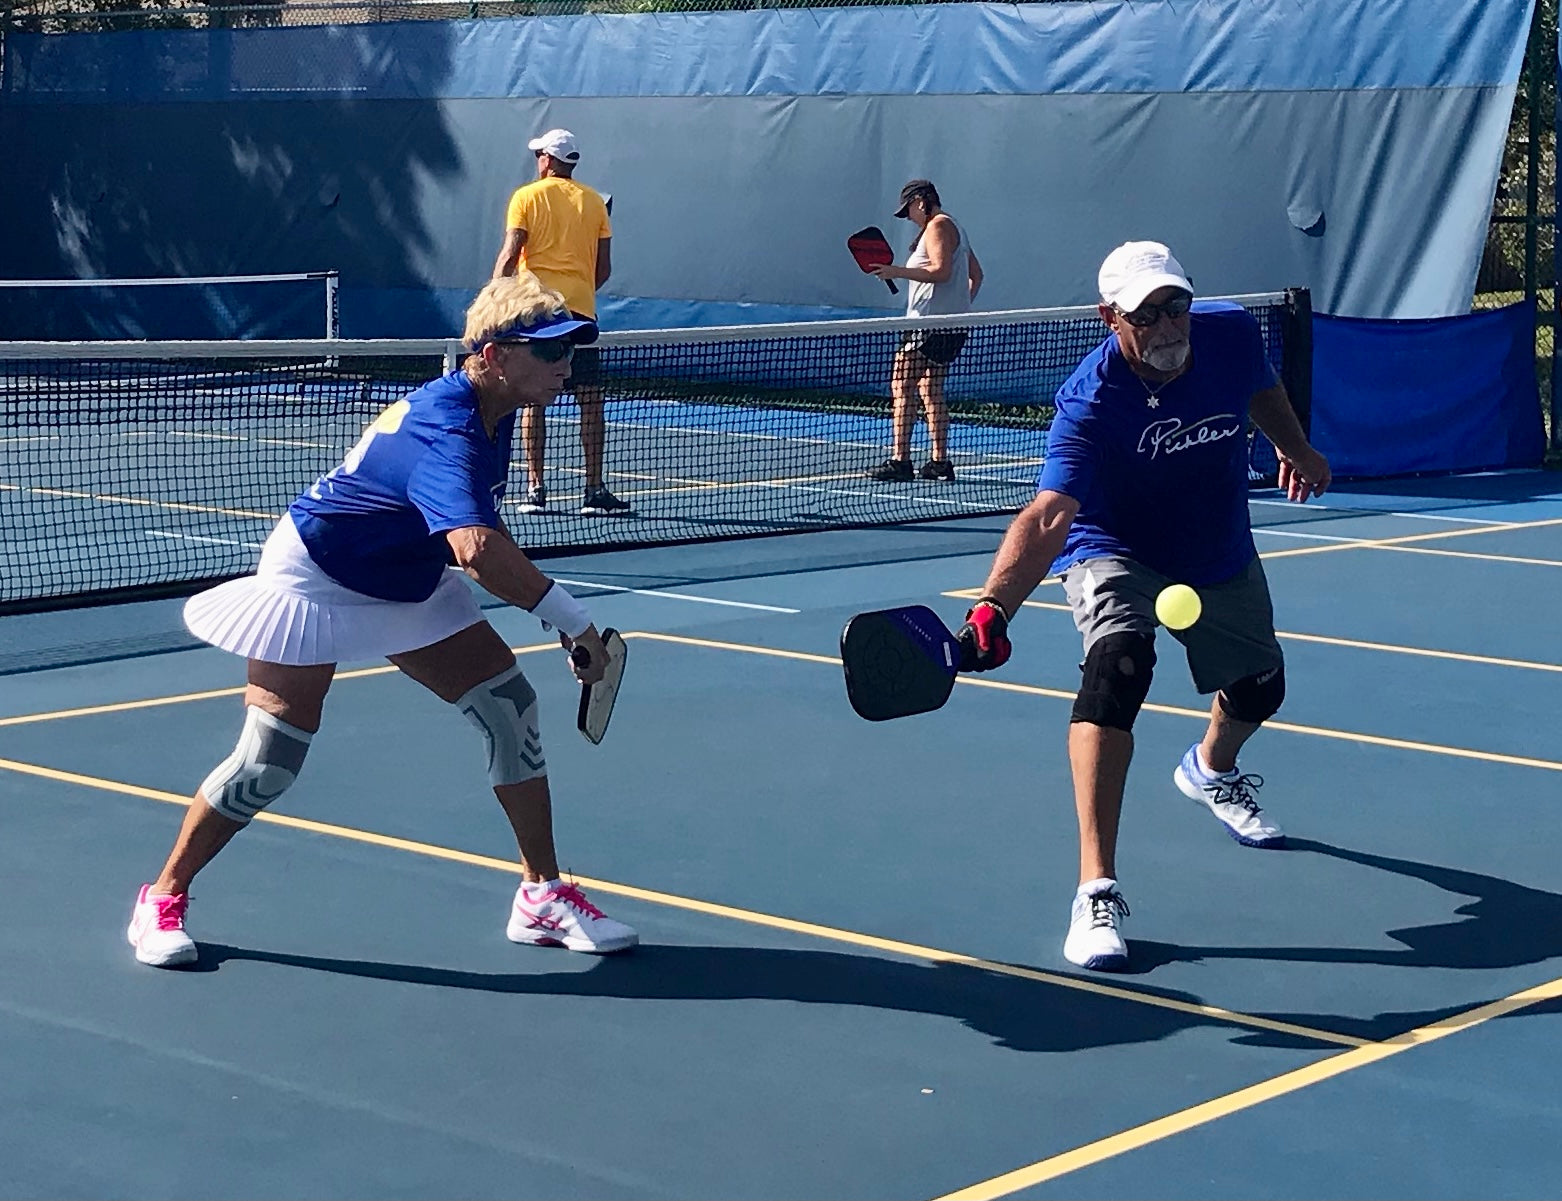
(510, 300)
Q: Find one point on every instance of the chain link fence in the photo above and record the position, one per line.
(1519, 262)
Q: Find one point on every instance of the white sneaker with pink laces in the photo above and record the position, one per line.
(157, 930)
(556, 914)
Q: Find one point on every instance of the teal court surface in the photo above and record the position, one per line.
(850, 982)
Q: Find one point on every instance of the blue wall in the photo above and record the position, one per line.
(1271, 143)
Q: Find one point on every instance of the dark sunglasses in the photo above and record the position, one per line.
(549, 350)
(1148, 314)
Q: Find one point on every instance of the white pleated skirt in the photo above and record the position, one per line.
(291, 612)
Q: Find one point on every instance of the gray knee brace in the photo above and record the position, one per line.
(265, 762)
(505, 710)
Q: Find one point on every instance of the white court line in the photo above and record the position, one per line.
(895, 496)
(1294, 534)
(197, 538)
(1383, 513)
(684, 596)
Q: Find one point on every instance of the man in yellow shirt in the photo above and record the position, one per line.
(558, 229)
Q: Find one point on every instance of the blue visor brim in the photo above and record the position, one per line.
(563, 327)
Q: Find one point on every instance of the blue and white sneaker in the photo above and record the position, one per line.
(1230, 797)
(1094, 941)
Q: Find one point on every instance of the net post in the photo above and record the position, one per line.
(333, 306)
(455, 351)
(1296, 359)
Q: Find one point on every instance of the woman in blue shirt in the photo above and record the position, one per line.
(357, 569)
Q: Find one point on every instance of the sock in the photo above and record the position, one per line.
(1205, 769)
(1091, 887)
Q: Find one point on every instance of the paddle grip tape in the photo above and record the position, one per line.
(1117, 671)
(561, 611)
(505, 710)
(263, 766)
(1254, 699)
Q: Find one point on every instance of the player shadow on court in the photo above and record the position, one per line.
(1504, 925)
(1018, 1014)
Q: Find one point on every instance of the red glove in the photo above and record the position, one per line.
(984, 638)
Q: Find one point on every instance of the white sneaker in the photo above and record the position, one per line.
(556, 914)
(1230, 798)
(1094, 941)
(157, 930)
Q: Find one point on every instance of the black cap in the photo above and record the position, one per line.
(916, 188)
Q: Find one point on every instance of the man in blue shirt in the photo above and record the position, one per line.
(1145, 485)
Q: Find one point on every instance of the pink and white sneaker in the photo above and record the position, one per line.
(556, 914)
(157, 930)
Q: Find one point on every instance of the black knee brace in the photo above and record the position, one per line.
(1254, 699)
(1117, 671)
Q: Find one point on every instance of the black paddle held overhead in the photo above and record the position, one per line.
(871, 249)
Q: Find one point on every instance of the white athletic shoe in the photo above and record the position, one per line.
(157, 930)
(556, 914)
(1230, 797)
(1094, 941)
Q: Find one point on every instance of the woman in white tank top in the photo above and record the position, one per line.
(945, 277)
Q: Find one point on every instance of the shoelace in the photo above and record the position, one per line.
(1236, 791)
(571, 895)
(1102, 905)
(170, 912)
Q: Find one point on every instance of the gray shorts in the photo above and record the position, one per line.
(1233, 638)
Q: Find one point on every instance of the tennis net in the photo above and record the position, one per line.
(300, 305)
(140, 468)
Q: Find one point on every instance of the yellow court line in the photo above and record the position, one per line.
(143, 502)
(1405, 539)
(184, 697)
(1352, 643)
(1245, 1098)
(751, 917)
(1397, 543)
(1402, 744)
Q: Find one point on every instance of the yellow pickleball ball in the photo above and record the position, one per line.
(1178, 607)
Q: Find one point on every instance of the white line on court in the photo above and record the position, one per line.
(198, 538)
(683, 596)
(1286, 504)
(1258, 529)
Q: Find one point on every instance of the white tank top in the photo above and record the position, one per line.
(952, 296)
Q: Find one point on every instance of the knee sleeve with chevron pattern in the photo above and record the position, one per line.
(505, 710)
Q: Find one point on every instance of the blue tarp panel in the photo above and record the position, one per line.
(1435, 395)
(1273, 143)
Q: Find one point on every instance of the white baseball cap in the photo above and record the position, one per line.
(556, 143)
(1135, 269)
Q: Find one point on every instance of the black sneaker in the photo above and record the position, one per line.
(937, 469)
(891, 470)
(599, 502)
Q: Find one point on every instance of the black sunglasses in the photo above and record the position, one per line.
(1148, 314)
(549, 350)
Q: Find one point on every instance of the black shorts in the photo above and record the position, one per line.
(585, 366)
(940, 346)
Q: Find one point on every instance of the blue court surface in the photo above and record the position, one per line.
(850, 983)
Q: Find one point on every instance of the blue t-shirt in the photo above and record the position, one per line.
(376, 524)
(1161, 474)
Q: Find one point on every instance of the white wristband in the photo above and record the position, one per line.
(559, 609)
